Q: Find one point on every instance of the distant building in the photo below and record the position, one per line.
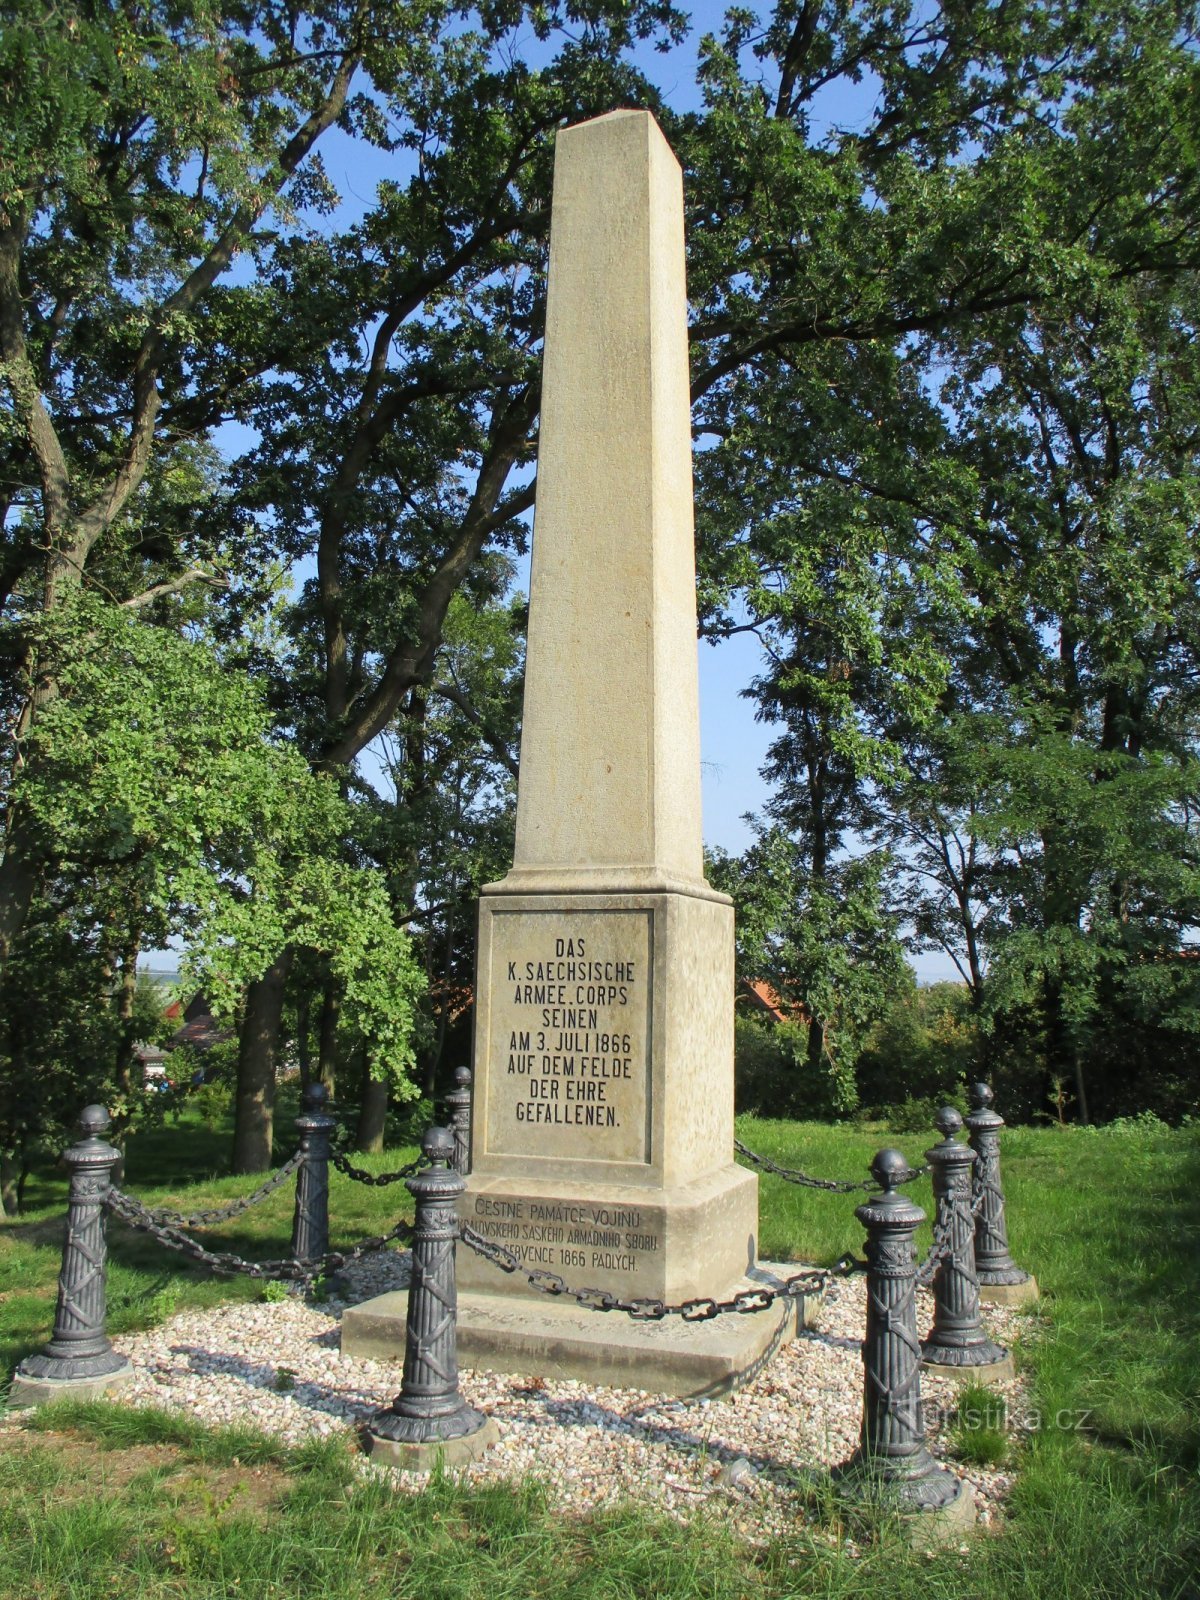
(198, 1029)
(756, 996)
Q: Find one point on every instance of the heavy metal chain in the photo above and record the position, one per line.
(135, 1215)
(830, 1185)
(377, 1180)
(943, 1233)
(702, 1309)
(209, 1219)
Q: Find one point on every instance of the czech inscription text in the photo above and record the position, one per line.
(602, 1238)
(569, 1037)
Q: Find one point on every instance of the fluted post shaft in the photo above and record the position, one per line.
(892, 1454)
(459, 1103)
(999, 1275)
(957, 1342)
(310, 1221)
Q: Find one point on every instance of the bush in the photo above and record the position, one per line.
(763, 1071)
(924, 1047)
(772, 1077)
(916, 1114)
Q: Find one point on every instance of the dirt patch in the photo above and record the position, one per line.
(95, 1469)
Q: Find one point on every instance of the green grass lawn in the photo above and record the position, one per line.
(104, 1501)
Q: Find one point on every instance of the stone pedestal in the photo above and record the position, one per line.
(603, 1111)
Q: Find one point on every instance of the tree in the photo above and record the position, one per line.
(951, 325)
(1016, 160)
(157, 279)
(168, 810)
(827, 947)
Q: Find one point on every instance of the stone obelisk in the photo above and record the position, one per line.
(603, 1117)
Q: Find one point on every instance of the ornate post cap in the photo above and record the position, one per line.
(315, 1097)
(952, 1151)
(982, 1116)
(438, 1146)
(462, 1077)
(94, 1122)
(315, 1116)
(890, 1169)
(948, 1123)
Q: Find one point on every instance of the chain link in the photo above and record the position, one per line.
(943, 1231)
(135, 1215)
(376, 1180)
(701, 1309)
(830, 1185)
(209, 1219)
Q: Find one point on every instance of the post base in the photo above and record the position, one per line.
(38, 1381)
(1023, 1293)
(414, 1445)
(976, 1364)
(916, 1485)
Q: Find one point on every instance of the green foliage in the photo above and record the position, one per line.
(826, 946)
(978, 1432)
(212, 1102)
(161, 796)
(924, 1047)
(944, 369)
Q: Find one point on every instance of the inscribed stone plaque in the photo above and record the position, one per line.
(568, 1068)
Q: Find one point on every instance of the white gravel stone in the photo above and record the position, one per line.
(277, 1366)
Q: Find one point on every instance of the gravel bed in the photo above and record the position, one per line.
(278, 1366)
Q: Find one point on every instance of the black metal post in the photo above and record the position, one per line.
(310, 1221)
(429, 1416)
(459, 1103)
(79, 1360)
(1000, 1278)
(958, 1342)
(892, 1458)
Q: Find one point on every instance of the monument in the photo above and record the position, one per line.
(602, 1134)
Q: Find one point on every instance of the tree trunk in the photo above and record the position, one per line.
(814, 1056)
(18, 880)
(372, 1115)
(257, 1049)
(1063, 1057)
(327, 1063)
(10, 1168)
(126, 996)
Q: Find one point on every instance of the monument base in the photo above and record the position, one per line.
(998, 1371)
(669, 1243)
(428, 1455)
(551, 1338)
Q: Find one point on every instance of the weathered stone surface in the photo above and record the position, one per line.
(981, 1372)
(636, 1240)
(610, 757)
(1024, 1293)
(408, 1457)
